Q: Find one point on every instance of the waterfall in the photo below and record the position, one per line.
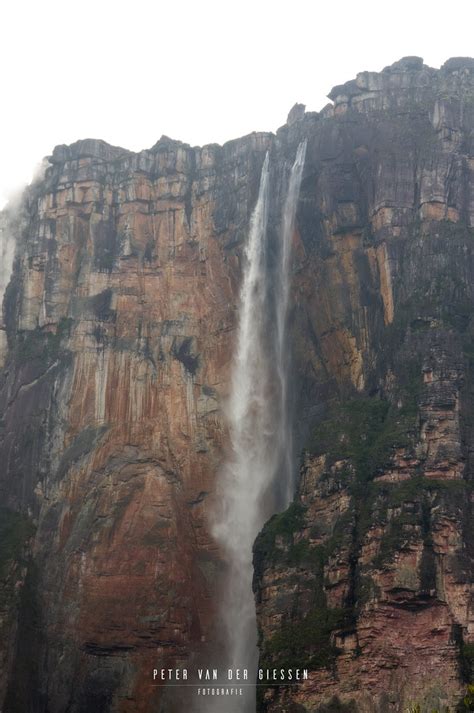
(259, 429)
(285, 436)
(7, 253)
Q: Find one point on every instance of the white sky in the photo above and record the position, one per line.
(204, 71)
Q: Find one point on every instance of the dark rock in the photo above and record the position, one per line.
(407, 64)
(455, 64)
(296, 114)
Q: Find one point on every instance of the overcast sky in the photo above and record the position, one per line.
(201, 71)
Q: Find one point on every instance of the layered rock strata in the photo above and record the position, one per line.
(367, 578)
(120, 321)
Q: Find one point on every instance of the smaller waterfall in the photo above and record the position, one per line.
(7, 252)
(284, 437)
(260, 432)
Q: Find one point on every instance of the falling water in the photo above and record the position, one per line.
(258, 422)
(284, 437)
(7, 252)
(251, 467)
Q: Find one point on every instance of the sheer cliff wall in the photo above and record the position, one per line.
(367, 578)
(119, 323)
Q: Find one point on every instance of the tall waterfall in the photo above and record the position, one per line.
(285, 436)
(7, 251)
(258, 421)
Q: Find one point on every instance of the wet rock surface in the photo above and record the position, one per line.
(367, 579)
(119, 323)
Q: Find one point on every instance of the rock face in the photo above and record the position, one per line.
(120, 317)
(367, 579)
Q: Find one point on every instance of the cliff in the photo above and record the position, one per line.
(119, 317)
(367, 578)
(117, 340)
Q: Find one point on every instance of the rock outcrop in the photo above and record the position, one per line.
(367, 579)
(120, 315)
(119, 320)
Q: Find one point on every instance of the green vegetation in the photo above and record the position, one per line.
(282, 524)
(363, 432)
(366, 430)
(468, 652)
(341, 533)
(300, 553)
(467, 661)
(306, 643)
(466, 704)
(396, 534)
(441, 296)
(419, 491)
(366, 589)
(352, 431)
(416, 708)
(395, 494)
(468, 700)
